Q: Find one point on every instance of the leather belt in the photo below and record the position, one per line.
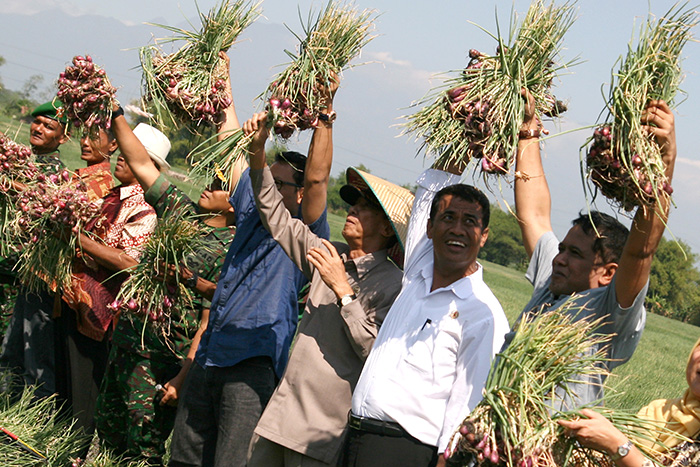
(377, 427)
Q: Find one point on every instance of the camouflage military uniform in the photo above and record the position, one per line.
(129, 418)
(27, 345)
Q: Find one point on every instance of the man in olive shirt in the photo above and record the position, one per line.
(352, 288)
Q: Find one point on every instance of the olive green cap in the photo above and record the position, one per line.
(52, 109)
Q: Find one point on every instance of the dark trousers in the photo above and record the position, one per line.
(221, 406)
(363, 449)
(28, 345)
(81, 363)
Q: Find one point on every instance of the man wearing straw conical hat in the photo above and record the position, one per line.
(352, 287)
(432, 355)
(599, 261)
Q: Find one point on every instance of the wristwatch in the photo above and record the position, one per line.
(346, 299)
(329, 117)
(622, 451)
(191, 282)
(117, 113)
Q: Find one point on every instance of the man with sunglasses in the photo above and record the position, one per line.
(253, 317)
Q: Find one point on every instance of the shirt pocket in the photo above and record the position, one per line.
(433, 352)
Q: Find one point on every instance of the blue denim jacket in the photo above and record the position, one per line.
(254, 309)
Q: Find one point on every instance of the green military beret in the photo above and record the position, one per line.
(52, 109)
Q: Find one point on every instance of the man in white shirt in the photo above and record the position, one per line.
(432, 355)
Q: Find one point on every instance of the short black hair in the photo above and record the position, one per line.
(610, 234)
(467, 193)
(298, 162)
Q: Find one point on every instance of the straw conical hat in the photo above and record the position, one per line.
(396, 202)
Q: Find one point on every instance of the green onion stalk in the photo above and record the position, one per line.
(54, 211)
(88, 96)
(188, 87)
(32, 432)
(476, 114)
(16, 167)
(149, 296)
(294, 100)
(622, 160)
(515, 424)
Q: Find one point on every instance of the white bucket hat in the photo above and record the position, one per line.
(156, 143)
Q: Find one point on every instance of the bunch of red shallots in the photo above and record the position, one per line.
(476, 115)
(188, 87)
(336, 37)
(16, 166)
(515, 424)
(295, 98)
(622, 159)
(150, 295)
(87, 95)
(53, 212)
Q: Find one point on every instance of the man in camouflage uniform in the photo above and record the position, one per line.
(137, 403)
(27, 348)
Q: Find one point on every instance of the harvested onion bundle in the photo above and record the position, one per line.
(622, 161)
(149, 296)
(293, 99)
(53, 212)
(515, 423)
(189, 86)
(16, 165)
(332, 41)
(87, 95)
(478, 114)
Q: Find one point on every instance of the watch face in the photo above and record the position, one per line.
(623, 450)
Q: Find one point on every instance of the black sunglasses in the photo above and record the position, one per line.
(280, 183)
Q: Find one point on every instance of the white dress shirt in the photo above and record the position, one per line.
(433, 353)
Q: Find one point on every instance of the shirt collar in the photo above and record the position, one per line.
(364, 264)
(129, 191)
(101, 167)
(461, 288)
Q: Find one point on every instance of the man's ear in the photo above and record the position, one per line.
(429, 229)
(387, 230)
(113, 146)
(607, 274)
(300, 194)
(484, 236)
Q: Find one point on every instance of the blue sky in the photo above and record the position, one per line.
(416, 40)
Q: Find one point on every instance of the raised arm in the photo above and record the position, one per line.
(134, 153)
(320, 159)
(648, 225)
(533, 203)
(293, 235)
(228, 121)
